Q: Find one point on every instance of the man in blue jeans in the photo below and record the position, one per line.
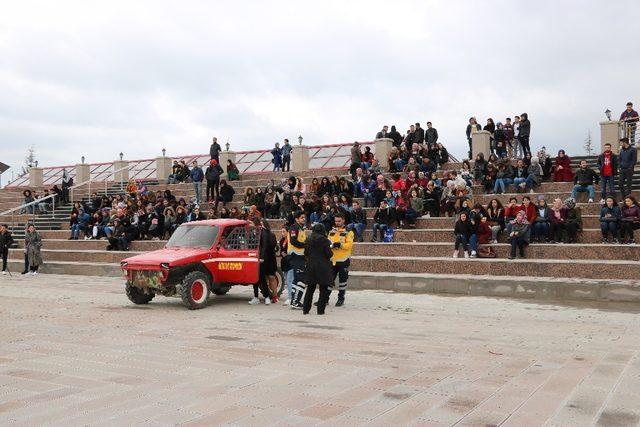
(608, 165)
(358, 220)
(584, 180)
(382, 220)
(197, 176)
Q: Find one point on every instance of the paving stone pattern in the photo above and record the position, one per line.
(75, 351)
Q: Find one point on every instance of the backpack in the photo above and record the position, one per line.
(388, 235)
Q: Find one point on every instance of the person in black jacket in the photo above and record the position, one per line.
(472, 127)
(382, 219)
(226, 193)
(418, 135)
(318, 268)
(463, 231)
(524, 132)
(584, 180)
(215, 149)
(212, 176)
(268, 265)
(6, 240)
(395, 136)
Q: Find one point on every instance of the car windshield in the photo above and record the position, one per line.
(193, 236)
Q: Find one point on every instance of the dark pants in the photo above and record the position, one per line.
(26, 263)
(5, 254)
(626, 229)
(625, 181)
(524, 141)
(518, 242)
(604, 182)
(297, 265)
(572, 231)
(213, 187)
(556, 231)
(286, 163)
(340, 272)
(607, 227)
(322, 299)
(541, 229)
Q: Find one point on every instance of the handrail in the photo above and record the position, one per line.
(90, 180)
(33, 211)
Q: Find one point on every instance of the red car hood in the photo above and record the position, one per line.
(174, 257)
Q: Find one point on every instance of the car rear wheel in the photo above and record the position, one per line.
(194, 290)
(139, 295)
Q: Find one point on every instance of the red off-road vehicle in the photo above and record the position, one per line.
(201, 257)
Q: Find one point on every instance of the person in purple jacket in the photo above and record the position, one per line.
(630, 220)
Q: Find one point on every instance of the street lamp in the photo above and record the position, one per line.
(164, 151)
(121, 156)
(82, 159)
(608, 114)
(300, 140)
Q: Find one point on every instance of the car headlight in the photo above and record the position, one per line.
(164, 265)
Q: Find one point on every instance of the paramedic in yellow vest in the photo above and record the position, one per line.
(341, 245)
(295, 251)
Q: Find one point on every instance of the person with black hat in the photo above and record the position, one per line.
(318, 268)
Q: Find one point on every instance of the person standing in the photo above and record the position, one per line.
(286, 156)
(341, 245)
(268, 265)
(418, 136)
(33, 244)
(67, 183)
(395, 136)
(472, 128)
(318, 268)
(197, 176)
(523, 134)
(295, 251)
(608, 165)
(431, 135)
(6, 240)
(630, 119)
(627, 159)
(213, 181)
(384, 133)
(356, 156)
(215, 149)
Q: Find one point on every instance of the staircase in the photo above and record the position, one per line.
(419, 260)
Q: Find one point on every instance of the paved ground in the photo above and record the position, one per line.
(74, 351)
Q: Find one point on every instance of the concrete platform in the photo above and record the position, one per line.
(76, 352)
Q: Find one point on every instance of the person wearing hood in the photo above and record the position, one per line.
(213, 181)
(395, 136)
(318, 268)
(541, 223)
(574, 220)
(518, 235)
(610, 215)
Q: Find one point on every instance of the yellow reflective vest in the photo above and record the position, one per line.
(345, 238)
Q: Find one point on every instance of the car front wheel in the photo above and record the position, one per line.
(194, 290)
(138, 295)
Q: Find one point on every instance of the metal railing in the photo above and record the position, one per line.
(627, 129)
(105, 182)
(32, 212)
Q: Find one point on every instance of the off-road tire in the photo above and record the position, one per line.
(195, 289)
(138, 295)
(221, 291)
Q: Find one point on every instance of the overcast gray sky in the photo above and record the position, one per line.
(96, 78)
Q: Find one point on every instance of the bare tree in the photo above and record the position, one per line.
(30, 159)
(588, 143)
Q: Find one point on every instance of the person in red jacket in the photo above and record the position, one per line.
(531, 211)
(510, 212)
(562, 170)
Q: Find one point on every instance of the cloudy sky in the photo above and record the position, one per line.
(96, 78)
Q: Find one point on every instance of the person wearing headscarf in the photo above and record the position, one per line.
(518, 235)
(558, 220)
(32, 245)
(574, 220)
(318, 268)
(562, 169)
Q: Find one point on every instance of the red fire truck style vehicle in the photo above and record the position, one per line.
(200, 257)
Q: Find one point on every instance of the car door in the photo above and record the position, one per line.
(237, 259)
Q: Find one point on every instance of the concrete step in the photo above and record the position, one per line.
(588, 269)
(423, 249)
(88, 256)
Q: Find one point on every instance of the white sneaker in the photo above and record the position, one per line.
(455, 254)
(531, 191)
(522, 185)
(4, 273)
(267, 301)
(494, 241)
(602, 201)
(254, 301)
(590, 200)
(34, 273)
(473, 254)
(287, 302)
(466, 254)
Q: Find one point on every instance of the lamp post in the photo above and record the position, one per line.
(607, 113)
(82, 159)
(121, 156)
(164, 151)
(300, 140)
